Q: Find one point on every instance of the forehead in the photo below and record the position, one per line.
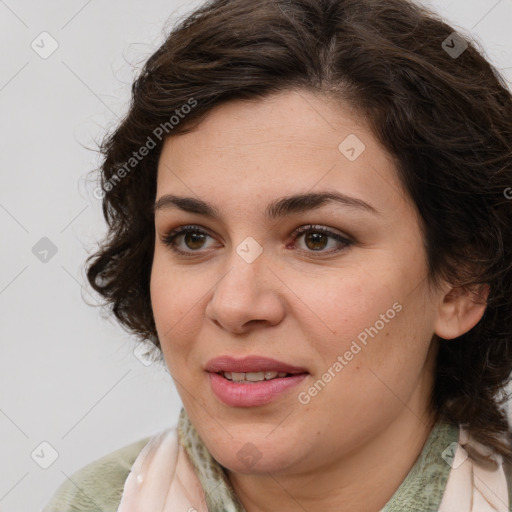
(298, 119)
(289, 142)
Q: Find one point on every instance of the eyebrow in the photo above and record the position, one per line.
(277, 209)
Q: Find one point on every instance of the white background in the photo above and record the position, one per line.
(69, 377)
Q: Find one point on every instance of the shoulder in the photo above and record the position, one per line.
(480, 478)
(99, 484)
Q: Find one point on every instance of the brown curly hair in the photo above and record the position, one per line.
(445, 118)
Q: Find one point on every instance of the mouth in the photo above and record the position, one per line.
(251, 368)
(253, 380)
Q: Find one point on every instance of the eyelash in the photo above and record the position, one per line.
(169, 238)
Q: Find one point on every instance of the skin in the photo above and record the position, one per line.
(367, 426)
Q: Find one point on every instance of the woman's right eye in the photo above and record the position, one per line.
(193, 237)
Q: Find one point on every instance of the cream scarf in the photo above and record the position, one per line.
(175, 472)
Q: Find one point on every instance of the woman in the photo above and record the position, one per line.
(309, 216)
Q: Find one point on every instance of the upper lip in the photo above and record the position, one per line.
(248, 364)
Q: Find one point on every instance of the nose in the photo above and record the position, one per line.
(248, 295)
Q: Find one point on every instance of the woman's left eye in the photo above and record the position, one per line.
(316, 239)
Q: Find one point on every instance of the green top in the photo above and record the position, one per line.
(424, 486)
(99, 485)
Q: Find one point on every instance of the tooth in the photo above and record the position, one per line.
(254, 376)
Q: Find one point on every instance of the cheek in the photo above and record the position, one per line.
(340, 309)
(173, 302)
(378, 327)
(381, 305)
(373, 362)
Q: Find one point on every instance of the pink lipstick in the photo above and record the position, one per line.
(253, 380)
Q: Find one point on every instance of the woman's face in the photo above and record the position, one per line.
(351, 317)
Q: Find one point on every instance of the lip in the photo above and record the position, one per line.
(247, 364)
(251, 394)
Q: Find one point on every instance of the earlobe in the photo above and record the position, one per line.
(460, 310)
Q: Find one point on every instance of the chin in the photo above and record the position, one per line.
(248, 457)
(253, 464)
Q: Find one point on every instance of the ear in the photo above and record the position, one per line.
(460, 310)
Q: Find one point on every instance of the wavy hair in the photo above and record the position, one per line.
(440, 109)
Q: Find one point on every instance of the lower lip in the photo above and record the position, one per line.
(252, 394)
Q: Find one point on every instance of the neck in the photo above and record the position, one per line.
(380, 465)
